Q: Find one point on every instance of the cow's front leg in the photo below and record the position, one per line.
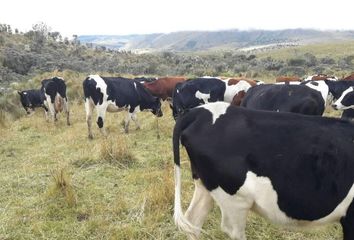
(45, 112)
(135, 119)
(127, 121)
(88, 109)
(66, 109)
(101, 113)
(50, 104)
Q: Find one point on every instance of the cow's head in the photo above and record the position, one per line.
(156, 107)
(345, 101)
(25, 101)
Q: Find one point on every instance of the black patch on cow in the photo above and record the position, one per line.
(184, 94)
(314, 83)
(100, 122)
(309, 160)
(284, 98)
(348, 114)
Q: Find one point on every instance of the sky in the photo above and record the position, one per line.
(117, 17)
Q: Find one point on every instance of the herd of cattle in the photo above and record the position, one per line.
(252, 146)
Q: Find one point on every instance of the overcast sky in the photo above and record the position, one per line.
(116, 17)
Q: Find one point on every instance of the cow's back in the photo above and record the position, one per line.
(284, 98)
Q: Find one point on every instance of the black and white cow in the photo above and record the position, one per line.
(284, 98)
(292, 169)
(51, 97)
(113, 94)
(332, 91)
(198, 91)
(346, 103)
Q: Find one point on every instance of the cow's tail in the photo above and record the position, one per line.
(180, 220)
(58, 103)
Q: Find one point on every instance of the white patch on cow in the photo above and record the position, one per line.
(50, 105)
(100, 83)
(232, 90)
(216, 109)
(135, 85)
(323, 88)
(24, 93)
(290, 83)
(258, 194)
(110, 105)
(339, 104)
(202, 96)
(177, 91)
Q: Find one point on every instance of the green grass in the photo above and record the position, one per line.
(320, 50)
(58, 184)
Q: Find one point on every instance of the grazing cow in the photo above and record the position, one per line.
(113, 94)
(284, 98)
(163, 87)
(292, 169)
(51, 97)
(194, 92)
(287, 79)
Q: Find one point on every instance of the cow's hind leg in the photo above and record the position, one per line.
(101, 113)
(348, 223)
(51, 108)
(66, 109)
(199, 207)
(234, 210)
(127, 121)
(89, 108)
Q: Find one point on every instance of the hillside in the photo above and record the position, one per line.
(204, 40)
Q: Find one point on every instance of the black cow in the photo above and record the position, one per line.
(117, 93)
(293, 169)
(51, 97)
(284, 98)
(198, 91)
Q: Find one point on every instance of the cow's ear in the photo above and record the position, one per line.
(20, 93)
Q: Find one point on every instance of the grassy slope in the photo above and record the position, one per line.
(107, 197)
(334, 50)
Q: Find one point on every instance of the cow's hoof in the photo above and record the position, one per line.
(90, 137)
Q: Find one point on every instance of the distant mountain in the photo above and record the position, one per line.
(205, 40)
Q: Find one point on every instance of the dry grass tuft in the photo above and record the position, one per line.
(116, 151)
(63, 186)
(160, 197)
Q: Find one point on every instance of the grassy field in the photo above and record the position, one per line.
(57, 184)
(334, 50)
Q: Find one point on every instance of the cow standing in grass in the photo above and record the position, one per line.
(51, 97)
(293, 169)
(113, 94)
